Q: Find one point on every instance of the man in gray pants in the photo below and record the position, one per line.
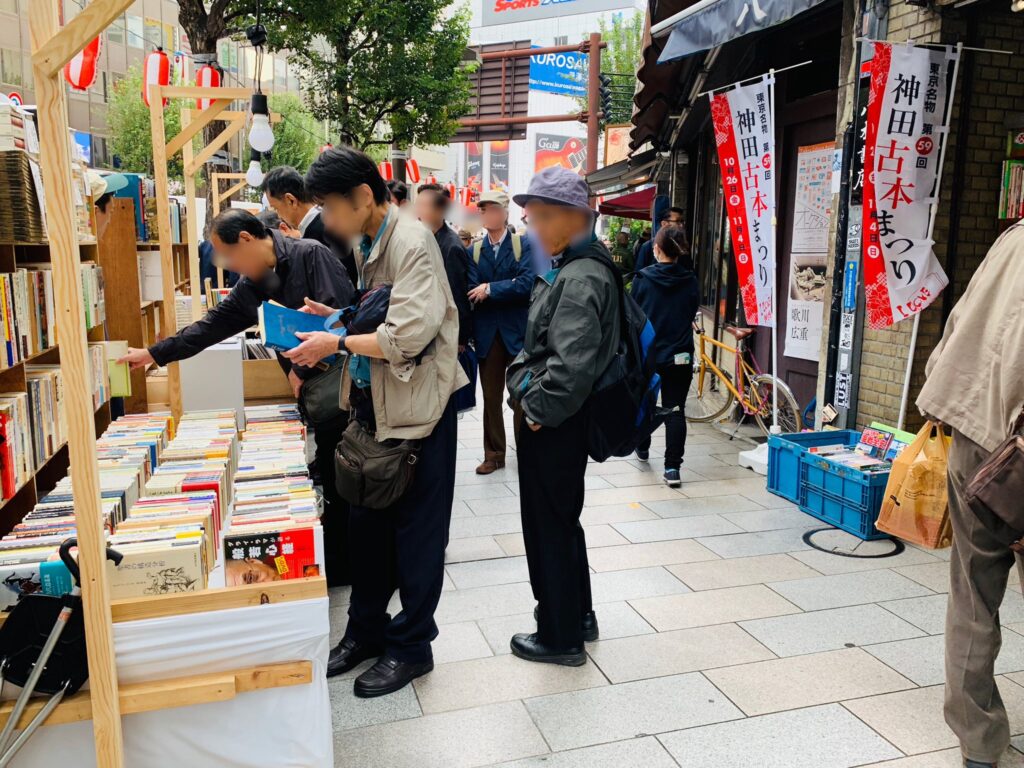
(976, 386)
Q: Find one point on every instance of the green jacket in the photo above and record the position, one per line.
(572, 333)
(622, 255)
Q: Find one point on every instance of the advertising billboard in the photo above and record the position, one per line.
(510, 11)
(564, 73)
(567, 151)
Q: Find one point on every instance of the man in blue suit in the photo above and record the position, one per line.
(501, 279)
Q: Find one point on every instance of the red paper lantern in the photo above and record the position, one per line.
(206, 77)
(412, 171)
(325, 147)
(453, 191)
(387, 171)
(81, 71)
(155, 71)
(465, 196)
(430, 180)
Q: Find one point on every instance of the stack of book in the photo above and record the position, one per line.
(12, 128)
(22, 214)
(46, 410)
(17, 456)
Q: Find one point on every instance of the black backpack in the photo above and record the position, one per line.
(623, 407)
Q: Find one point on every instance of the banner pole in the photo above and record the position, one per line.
(932, 216)
(775, 430)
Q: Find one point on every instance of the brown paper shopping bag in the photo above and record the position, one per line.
(915, 505)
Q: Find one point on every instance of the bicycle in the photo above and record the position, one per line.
(717, 391)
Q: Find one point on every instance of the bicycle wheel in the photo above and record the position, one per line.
(760, 394)
(709, 402)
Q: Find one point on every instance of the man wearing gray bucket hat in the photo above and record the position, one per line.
(571, 337)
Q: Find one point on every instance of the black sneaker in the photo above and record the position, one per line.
(672, 479)
(643, 455)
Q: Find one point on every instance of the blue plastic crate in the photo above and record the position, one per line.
(842, 496)
(784, 452)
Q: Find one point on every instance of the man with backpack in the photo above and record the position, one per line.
(501, 277)
(572, 337)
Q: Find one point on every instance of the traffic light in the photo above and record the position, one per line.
(606, 96)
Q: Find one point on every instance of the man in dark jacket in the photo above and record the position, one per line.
(285, 270)
(432, 204)
(287, 194)
(571, 337)
(501, 276)
(673, 217)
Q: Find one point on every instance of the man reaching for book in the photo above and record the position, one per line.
(282, 269)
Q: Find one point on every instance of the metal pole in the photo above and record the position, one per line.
(474, 122)
(933, 214)
(593, 103)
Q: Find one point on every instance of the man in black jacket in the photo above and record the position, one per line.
(288, 271)
(432, 204)
(287, 195)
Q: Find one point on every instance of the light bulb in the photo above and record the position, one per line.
(261, 137)
(254, 176)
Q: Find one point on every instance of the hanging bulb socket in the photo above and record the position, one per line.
(257, 35)
(261, 135)
(259, 105)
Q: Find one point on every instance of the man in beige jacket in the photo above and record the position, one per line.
(976, 386)
(398, 385)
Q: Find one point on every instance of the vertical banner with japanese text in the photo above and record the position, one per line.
(744, 134)
(906, 125)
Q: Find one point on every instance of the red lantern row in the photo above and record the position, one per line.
(206, 77)
(386, 170)
(81, 71)
(412, 171)
(155, 71)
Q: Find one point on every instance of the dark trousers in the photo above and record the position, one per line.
(492, 382)
(404, 546)
(335, 517)
(552, 465)
(675, 385)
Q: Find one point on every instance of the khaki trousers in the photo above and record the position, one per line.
(979, 567)
(492, 382)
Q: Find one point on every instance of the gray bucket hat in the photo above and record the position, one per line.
(558, 186)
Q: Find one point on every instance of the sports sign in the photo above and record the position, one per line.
(510, 11)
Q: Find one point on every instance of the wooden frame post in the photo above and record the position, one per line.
(51, 48)
(217, 197)
(191, 219)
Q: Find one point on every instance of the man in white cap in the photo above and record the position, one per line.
(101, 190)
(501, 277)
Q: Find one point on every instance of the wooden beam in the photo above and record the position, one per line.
(135, 608)
(198, 92)
(55, 165)
(222, 138)
(58, 49)
(174, 692)
(216, 200)
(168, 324)
(275, 117)
(191, 214)
(233, 189)
(190, 128)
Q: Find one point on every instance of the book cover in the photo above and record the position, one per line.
(874, 442)
(55, 577)
(278, 325)
(255, 557)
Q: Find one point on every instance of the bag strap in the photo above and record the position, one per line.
(477, 247)
(517, 246)
(601, 259)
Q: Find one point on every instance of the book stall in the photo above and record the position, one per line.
(181, 550)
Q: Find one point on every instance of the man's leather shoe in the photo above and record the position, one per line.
(976, 764)
(591, 633)
(530, 648)
(488, 467)
(349, 654)
(387, 676)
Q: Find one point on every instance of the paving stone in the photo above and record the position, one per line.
(458, 642)
(740, 571)
(486, 573)
(614, 586)
(475, 548)
(627, 495)
(483, 602)
(634, 753)
(676, 528)
(752, 483)
(502, 505)
(768, 519)
(830, 564)
(949, 758)
(763, 543)
(706, 506)
(848, 589)
(670, 653)
(511, 544)
(488, 525)
(464, 739)
(646, 555)
(927, 613)
(727, 473)
(923, 659)
(348, 712)
(806, 681)
(460, 509)
(829, 630)
(820, 737)
(611, 468)
(603, 536)
(617, 712)
(614, 619)
(935, 576)
(474, 683)
(616, 513)
(716, 606)
(470, 492)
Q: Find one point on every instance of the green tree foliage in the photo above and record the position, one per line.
(378, 72)
(624, 35)
(298, 137)
(128, 118)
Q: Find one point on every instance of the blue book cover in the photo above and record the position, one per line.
(278, 326)
(55, 577)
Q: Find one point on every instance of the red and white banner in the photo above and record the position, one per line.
(906, 114)
(744, 133)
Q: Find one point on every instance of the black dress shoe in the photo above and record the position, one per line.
(349, 654)
(387, 676)
(530, 648)
(591, 632)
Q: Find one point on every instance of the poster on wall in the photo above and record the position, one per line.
(474, 164)
(616, 143)
(567, 151)
(499, 166)
(809, 250)
(744, 135)
(907, 106)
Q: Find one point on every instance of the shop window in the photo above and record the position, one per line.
(11, 70)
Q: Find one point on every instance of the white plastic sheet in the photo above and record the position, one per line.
(283, 727)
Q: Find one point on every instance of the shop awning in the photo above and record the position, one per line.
(710, 23)
(635, 205)
(630, 172)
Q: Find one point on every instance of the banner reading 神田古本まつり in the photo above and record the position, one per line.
(744, 134)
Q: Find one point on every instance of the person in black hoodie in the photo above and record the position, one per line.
(668, 293)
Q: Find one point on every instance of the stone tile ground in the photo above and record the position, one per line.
(726, 640)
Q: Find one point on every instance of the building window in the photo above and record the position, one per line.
(11, 72)
(562, 40)
(134, 29)
(154, 34)
(9, 6)
(115, 32)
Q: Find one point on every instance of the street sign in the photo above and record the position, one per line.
(564, 73)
